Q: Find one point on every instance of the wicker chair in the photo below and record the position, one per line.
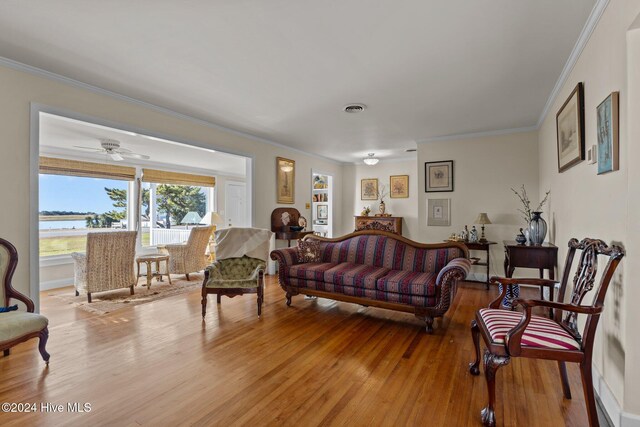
(18, 326)
(108, 263)
(189, 257)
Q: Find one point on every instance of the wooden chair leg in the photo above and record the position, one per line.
(204, 301)
(492, 362)
(6, 352)
(260, 298)
(187, 276)
(218, 298)
(131, 289)
(42, 347)
(77, 293)
(474, 367)
(288, 296)
(89, 298)
(566, 388)
(589, 398)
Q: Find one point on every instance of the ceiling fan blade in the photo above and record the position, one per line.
(115, 156)
(135, 156)
(88, 148)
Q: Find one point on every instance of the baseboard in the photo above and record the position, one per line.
(617, 416)
(54, 284)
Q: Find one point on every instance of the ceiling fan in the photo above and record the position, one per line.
(112, 148)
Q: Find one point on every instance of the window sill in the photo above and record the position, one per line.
(50, 261)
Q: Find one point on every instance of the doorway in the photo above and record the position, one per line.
(236, 204)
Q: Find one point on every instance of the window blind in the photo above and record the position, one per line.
(177, 178)
(55, 166)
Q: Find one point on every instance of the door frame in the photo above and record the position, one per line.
(247, 213)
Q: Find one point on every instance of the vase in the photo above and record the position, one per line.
(537, 228)
(382, 208)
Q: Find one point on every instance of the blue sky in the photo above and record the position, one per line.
(70, 193)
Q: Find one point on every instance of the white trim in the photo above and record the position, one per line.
(54, 284)
(585, 34)
(478, 134)
(618, 417)
(95, 89)
(50, 261)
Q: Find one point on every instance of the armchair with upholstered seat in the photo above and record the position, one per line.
(509, 334)
(108, 263)
(17, 326)
(189, 257)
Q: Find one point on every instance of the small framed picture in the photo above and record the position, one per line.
(608, 135)
(438, 176)
(399, 186)
(322, 211)
(439, 212)
(369, 189)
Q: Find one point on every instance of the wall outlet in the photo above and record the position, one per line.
(592, 154)
(307, 205)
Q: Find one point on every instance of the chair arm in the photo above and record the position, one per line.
(12, 293)
(285, 256)
(456, 269)
(506, 281)
(580, 309)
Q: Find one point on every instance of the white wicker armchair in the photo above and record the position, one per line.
(189, 257)
(108, 263)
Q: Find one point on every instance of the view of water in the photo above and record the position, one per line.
(60, 225)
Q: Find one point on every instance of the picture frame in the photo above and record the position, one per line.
(399, 186)
(438, 176)
(570, 130)
(322, 211)
(285, 180)
(608, 152)
(369, 189)
(439, 212)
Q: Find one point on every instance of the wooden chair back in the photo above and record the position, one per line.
(276, 219)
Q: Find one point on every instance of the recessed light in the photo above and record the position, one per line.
(354, 108)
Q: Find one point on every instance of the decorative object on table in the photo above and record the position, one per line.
(438, 176)
(285, 180)
(399, 186)
(527, 236)
(520, 238)
(608, 134)
(592, 155)
(365, 211)
(528, 214)
(439, 212)
(191, 218)
(464, 235)
(537, 228)
(482, 220)
(319, 182)
(285, 218)
(453, 237)
(473, 235)
(302, 222)
(322, 211)
(296, 227)
(570, 130)
(382, 193)
(369, 189)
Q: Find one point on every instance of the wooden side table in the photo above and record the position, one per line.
(486, 247)
(149, 260)
(541, 257)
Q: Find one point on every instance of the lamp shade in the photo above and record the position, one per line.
(212, 218)
(482, 219)
(191, 218)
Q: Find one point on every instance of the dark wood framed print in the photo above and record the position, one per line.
(369, 189)
(399, 186)
(570, 130)
(608, 134)
(438, 176)
(285, 180)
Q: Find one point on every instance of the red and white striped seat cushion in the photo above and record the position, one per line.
(541, 332)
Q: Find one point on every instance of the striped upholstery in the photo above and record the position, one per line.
(357, 275)
(540, 332)
(309, 270)
(408, 282)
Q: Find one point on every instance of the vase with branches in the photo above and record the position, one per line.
(536, 226)
(382, 193)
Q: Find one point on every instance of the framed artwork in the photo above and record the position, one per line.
(369, 189)
(438, 176)
(322, 211)
(399, 186)
(439, 212)
(570, 130)
(285, 180)
(608, 135)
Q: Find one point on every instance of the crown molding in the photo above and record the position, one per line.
(478, 134)
(19, 66)
(585, 34)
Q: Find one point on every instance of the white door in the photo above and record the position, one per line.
(236, 204)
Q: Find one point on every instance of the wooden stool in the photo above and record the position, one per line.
(149, 260)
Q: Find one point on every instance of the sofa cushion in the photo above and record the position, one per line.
(408, 283)
(357, 275)
(309, 270)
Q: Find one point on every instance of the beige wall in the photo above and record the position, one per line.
(406, 208)
(485, 169)
(585, 204)
(20, 89)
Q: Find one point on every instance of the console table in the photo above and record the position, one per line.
(482, 246)
(392, 224)
(541, 257)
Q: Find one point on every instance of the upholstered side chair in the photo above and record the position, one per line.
(508, 334)
(108, 263)
(189, 257)
(18, 326)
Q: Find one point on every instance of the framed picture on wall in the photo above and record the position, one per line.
(322, 211)
(438, 176)
(439, 212)
(570, 130)
(608, 135)
(285, 180)
(399, 186)
(369, 189)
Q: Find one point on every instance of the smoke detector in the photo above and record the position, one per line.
(354, 108)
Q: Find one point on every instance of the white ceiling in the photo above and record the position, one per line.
(282, 70)
(59, 137)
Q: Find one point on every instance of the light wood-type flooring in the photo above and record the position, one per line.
(317, 362)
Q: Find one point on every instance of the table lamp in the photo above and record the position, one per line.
(482, 220)
(212, 218)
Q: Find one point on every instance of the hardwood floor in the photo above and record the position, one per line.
(314, 363)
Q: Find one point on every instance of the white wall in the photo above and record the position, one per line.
(485, 168)
(584, 204)
(406, 208)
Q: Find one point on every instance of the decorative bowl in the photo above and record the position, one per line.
(296, 228)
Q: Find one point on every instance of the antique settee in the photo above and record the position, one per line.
(375, 268)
